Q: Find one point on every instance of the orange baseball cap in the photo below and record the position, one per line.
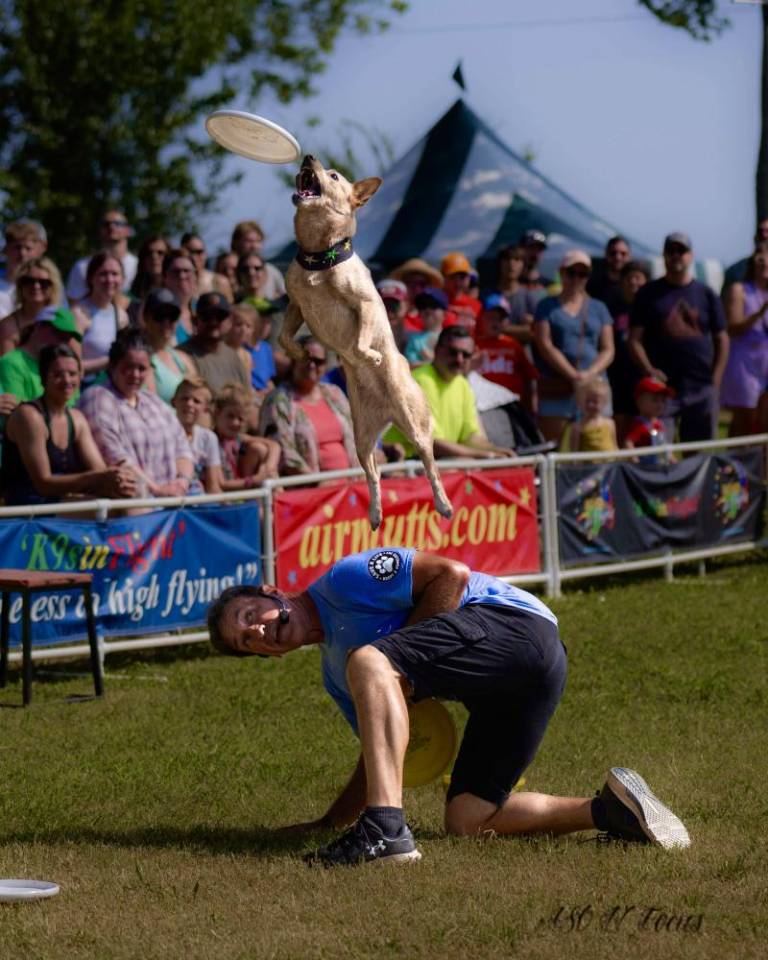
(454, 263)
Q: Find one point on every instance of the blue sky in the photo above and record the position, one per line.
(648, 128)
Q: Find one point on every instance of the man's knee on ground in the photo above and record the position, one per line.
(467, 815)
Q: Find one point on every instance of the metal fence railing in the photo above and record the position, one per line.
(551, 576)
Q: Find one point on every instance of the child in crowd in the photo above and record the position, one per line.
(245, 461)
(262, 356)
(593, 431)
(647, 429)
(239, 335)
(192, 401)
(431, 304)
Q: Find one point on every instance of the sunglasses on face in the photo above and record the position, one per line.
(253, 269)
(36, 281)
(212, 317)
(114, 223)
(316, 361)
(578, 274)
(195, 250)
(460, 354)
(676, 250)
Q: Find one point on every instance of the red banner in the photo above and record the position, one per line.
(493, 527)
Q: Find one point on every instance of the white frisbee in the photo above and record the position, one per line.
(254, 137)
(26, 890)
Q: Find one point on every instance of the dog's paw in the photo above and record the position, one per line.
(373, 355)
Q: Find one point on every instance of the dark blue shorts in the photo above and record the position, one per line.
(507, 667)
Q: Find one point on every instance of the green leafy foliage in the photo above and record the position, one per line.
(102, 101)
(698, 17)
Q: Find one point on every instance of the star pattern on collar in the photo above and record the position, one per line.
(326, 259)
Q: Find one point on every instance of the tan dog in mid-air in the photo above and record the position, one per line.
(331, 290)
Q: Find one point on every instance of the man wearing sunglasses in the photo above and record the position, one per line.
(456, 425)
(396, 624)
(114, 232)
(678, 335)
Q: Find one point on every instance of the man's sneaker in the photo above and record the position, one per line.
(633, 813)
(365, 843)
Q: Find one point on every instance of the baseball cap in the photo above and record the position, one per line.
(572, 257)
(60, 318)
(392, 290)
(678, 237)
(530, 237)
(454, 263)
(430, 297)
(213, 302)
(652, 385)
(162, 302)
(497, 301)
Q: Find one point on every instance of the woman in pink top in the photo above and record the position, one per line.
(310, 420)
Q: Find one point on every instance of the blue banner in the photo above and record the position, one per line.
(610, 511)
(151, 573)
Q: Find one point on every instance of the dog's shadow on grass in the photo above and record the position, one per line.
(255, 841)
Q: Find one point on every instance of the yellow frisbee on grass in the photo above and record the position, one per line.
(432, 743)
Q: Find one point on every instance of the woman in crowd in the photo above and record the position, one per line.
(160, 315)
(745, 381)
(573, 339)
(622, 373)
(149, 273)
(99, 314)
(207, 280)
(226, 266)
(38, 285)
(180, 277)
(251, 281)
(310, 420)
(48, 450)
(133, 426)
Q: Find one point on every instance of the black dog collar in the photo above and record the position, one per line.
(326, 259)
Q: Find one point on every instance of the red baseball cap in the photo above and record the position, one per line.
(652, 385)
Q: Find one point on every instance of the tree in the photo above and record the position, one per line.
(102, 101)
(701, 19)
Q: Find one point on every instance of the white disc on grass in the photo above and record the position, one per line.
(254, 137)
(26, 890)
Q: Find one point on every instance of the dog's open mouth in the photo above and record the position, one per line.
(307, 184)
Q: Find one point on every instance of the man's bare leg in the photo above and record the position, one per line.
(382, 718)
(522, 813)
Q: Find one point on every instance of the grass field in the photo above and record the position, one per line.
(156, 809)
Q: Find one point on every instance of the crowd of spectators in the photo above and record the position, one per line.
(156, 374)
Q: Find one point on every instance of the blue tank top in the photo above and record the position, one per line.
(370, 595)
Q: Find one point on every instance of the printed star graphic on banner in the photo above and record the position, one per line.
(525, 496)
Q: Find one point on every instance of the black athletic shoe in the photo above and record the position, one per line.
(634, 814)
(365, 843)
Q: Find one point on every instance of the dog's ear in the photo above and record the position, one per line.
(363, 190)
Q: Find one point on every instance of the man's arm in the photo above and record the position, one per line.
(438, 585)
(640, 357)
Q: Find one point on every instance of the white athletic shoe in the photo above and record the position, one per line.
(635, 814)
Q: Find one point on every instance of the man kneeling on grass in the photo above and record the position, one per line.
(397, 625)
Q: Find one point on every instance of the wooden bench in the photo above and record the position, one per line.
(28, 583)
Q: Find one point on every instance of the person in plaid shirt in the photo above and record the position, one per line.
(132, 426)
